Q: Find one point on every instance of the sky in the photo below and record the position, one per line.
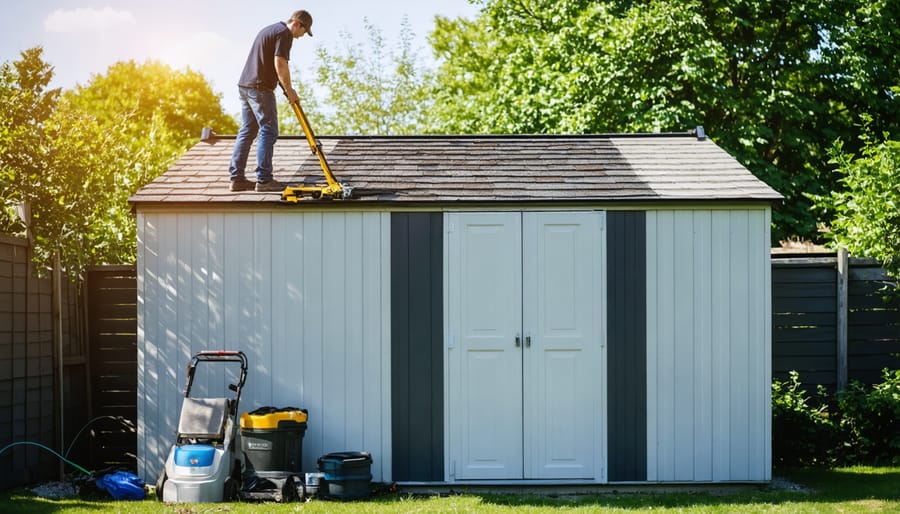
(82, 38)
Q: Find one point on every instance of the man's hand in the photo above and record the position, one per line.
(291, 95)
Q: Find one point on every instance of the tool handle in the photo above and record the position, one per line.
(314, 145)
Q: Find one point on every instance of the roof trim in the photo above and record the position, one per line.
(430, 206)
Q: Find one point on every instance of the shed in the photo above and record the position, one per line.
(517, 310)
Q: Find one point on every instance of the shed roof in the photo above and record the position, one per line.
(454, 169)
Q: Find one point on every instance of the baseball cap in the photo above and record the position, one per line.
(305, 19)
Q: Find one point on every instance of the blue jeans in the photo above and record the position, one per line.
(259, 115)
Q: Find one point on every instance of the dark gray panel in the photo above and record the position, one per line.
(416, 346)
(627, 345)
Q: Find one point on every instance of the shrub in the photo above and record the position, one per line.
(870, 418)
(802, 434)
(862, 428)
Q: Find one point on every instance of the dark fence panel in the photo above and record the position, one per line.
(805, 321)
(873, 325)
(112, 342)
(27, 386)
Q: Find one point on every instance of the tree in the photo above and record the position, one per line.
(372, 91)
(27, 105)
(182, 100)
(773, 83)
(81, 207)
(867, 212)
(152, 114)
(288, 125)
(64, 165)
(77, 157)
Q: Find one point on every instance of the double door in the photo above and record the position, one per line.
(524, 345)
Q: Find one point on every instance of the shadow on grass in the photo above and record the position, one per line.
(816, 486)
(23, 500)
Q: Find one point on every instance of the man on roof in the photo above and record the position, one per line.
(266, 66)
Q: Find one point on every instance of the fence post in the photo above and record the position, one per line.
(843, 279)
(56, 311)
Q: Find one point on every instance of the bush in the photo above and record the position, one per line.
(871, 421)
(803, 435)
(864, 427)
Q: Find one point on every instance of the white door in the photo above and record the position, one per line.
(486, 374)
(524, 338)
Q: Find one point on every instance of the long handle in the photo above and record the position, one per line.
(314, 144)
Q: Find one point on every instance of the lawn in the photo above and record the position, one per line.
(857, 489)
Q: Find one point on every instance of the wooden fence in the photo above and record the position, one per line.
(112, 336)
(831, 321)
(40, 334)
(68, 373)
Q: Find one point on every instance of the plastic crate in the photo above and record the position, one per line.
(347, 475)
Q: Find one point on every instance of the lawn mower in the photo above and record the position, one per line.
(206, 462)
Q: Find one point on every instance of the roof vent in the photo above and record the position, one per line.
(701, 134)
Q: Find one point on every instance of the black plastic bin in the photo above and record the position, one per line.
(272, 441)
(348, 475)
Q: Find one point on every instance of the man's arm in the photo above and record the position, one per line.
(284, 76)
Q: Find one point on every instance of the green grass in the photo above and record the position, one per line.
(857, 489)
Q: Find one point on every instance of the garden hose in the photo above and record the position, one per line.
(39, 445)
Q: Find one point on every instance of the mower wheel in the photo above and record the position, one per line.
(289, 490)
(230, 492)
(160, 485)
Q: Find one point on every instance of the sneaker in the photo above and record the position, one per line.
(270, 186)
(242, 184)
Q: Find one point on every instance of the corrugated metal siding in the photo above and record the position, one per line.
(627, 340)
(305, 295)
(708, 345)
(417, 384)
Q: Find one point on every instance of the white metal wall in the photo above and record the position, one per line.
(708, 345)
(305, 295)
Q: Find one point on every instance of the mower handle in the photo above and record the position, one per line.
(217, 356)
(220, 355)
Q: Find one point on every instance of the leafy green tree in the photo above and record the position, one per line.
(27, 104)
(65, 166)
(288, 125)
(774, 83)
(867, 212)
(152, 114)
(81, 208)
(181, 100)
(370, 89)
(77, 157)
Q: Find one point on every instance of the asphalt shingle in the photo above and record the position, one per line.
(448, 169)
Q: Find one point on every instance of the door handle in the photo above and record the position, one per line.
(518, 341)
(527, 341)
